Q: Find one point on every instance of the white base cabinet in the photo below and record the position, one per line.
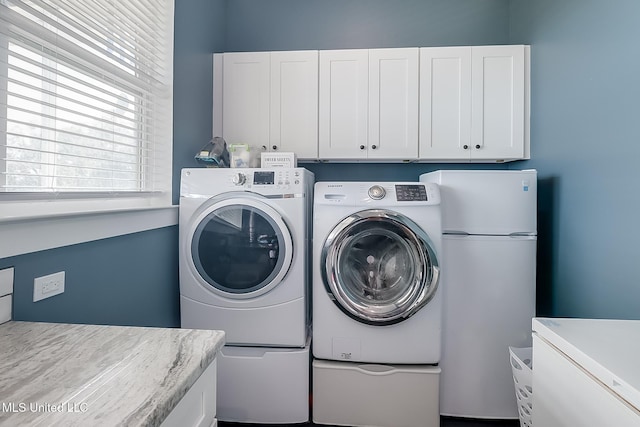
(197, 408)
(585, 373)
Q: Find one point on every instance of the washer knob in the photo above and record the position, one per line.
(239, 178)
(377, 192)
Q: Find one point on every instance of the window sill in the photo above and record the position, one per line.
(26, 234)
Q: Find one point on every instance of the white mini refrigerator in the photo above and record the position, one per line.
(489, 221)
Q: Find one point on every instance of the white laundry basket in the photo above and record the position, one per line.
(522, 368)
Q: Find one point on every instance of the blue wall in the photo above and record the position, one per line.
(128, 280)
(583, 139)
(258, 25)
(585, 143)
(199, 31)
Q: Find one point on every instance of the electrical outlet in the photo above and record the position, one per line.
(48, 286)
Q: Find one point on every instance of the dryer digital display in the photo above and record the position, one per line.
(264, 178)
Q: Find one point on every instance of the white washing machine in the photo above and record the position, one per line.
(376, 297)
(244, 244)
(376, 304)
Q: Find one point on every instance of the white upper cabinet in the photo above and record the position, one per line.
(435, 104)
(393, 104)
(294, 103)
(473, 104)
(445, 102)
(497, 102)
(368, 104)
(246, 98)
(344, 100)
(270, 101)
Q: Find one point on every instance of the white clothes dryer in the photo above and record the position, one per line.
(376, 297)
(243, 257)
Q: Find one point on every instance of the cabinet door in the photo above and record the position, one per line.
(343, 104)
(393, 104)
(246, 98)
(294, 103)
(445, 103)
(565, 395)
(197, 408)
(497, 109)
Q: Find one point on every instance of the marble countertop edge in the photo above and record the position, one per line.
(119, 375)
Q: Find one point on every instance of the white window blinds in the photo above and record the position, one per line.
(86, 96)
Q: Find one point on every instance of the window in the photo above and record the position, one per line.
(86, 99)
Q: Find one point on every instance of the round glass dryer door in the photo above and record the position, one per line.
(240, 248)
(379, 267)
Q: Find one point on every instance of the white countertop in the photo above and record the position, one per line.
(91, 375)
(609, 350)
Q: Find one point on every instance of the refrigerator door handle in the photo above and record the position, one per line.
(523, 234)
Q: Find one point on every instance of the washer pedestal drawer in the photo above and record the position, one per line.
(356, 394)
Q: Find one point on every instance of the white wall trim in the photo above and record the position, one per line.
(22, 236)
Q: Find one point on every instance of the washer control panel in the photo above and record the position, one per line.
(411, 193)
(377, 192)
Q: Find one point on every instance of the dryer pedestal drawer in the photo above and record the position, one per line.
(356, 394)
(263, 385)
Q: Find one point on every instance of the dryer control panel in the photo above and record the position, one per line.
(283, 179)
(278, 181)
(266, 180)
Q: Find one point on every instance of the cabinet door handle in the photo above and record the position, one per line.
(466, 147)
(264, 148)
(275, 147)
(362, 147)
(478, 146)
(374, 146)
